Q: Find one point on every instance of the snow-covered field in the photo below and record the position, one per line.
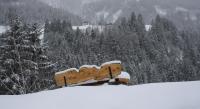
(3, 29)
(183, 95)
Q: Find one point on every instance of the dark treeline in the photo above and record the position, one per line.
(162, 54)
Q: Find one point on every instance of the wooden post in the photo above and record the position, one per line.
(65, 81)
(110, 72)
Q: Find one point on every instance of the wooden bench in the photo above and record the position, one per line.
(89, 74)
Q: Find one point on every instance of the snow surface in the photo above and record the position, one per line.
(89, 66)
(124, 75)
(160, 11)
(111, 62)
(183, 95)
(3, 29)
(116, 15)
(42, 34)
(148, 27)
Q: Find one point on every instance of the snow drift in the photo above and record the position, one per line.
(183, 95)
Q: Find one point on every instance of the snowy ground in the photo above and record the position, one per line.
(3, 29)
(183, 95)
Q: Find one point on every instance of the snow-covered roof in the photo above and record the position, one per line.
(111, 62)
(68, 70)
(124, 75)
(90, 66)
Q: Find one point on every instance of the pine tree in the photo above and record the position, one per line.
(140, 26)
(93, 34)
(123, 25)
(133, 22)
(45, 67)
(22, 60)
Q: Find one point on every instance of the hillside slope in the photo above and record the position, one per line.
(33, 11)
(178, 11)
(183, 95)
(182, 12)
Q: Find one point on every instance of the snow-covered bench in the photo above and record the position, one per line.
(88, 74)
